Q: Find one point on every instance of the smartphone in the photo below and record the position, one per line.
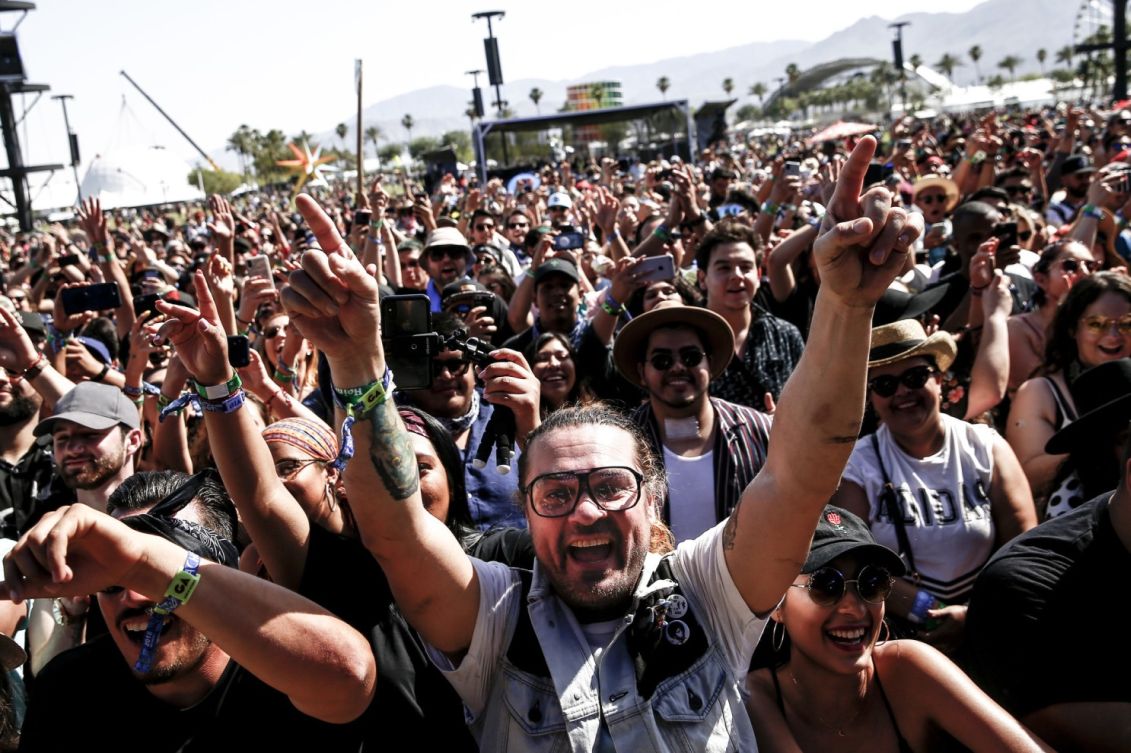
(654, 268)
(239, 354)
(569, 240)
(98, 297)
(1007, 232)
(792, 169)
(362, 217)
(69, 260)
(406, 327)
(877, 173)
(260, 266)
(144, 303)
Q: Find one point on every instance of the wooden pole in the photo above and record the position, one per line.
(360, 135)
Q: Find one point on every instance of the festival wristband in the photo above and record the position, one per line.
(219, 391)
(358, 402)
(180, 590)
(1092, 211)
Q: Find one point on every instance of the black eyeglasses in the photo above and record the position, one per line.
(274, 331)
(613, 489)
(1072, 266)
(689, 357)
(446, 252)
(914, 378)
(827, 585)
(455, 366)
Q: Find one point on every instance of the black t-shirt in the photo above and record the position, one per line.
(1046, 619)
(90, 690)
(27, 489)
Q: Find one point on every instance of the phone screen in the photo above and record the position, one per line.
(406, 323)
(239, 352)
(99, 297)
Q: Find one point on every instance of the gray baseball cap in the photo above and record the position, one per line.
(93, 405)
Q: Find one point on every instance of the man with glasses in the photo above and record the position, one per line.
(710, 449)
(517, 226)
(585, 653)
(447, 257)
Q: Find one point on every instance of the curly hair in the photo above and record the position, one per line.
(1061, 349)
(728, 231)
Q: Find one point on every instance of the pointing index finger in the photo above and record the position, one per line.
(850, 183)
(328, 237)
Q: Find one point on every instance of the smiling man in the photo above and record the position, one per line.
(447, 257)
(710, 449)
(586, 654)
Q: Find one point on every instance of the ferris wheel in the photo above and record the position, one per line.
(1094, 22)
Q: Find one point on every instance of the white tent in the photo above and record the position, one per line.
(139, 176)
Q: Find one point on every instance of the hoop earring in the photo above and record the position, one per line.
(777, 636)
(886, 632)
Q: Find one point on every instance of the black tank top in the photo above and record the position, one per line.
(904, 747)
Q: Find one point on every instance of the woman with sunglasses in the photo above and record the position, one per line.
(1091, 326)
(1060, 266)
(832, 684)
(943, 492)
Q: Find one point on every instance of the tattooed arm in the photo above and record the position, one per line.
(332, 300)
(862, 245)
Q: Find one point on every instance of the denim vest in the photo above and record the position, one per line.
(676, 692)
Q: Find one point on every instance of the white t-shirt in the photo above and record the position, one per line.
(691, 500)
(945, 500)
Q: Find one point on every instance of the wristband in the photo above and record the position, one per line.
(1093, 212)
(924, 601)
(134, 392)
(663, 233)
(219, 391)
(610, 306)
(376, 224)
(178, 593)
(977, 158)
(102, 374)
(281, 376)
(358, 402)
(770, 207)
(32, 371)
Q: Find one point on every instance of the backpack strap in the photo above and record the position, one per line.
(889, 498)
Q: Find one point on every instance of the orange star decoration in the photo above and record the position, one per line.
(307, 166)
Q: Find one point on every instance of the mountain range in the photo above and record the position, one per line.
(1000, 27)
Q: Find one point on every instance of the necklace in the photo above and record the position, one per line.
(838, 728)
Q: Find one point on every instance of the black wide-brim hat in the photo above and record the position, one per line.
(1103, 402)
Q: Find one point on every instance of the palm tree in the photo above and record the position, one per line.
(1064, 55)
(536, 97)
(758, 90)
(408, 123)
(947, 63)
(663, 84)
(915, 61)
(1042, 56)
(975, 54)
(342, 129)
(373, 134)
(995, 81)
(792, 73)
(1009, 63)
(728, 85)
(242, 143)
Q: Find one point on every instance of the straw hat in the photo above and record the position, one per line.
(906, 339)
(628, 349)
(937, 181)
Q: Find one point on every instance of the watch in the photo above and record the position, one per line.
(62, 616)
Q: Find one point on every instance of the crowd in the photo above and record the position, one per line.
(797, 446)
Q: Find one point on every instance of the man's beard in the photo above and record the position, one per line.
(180, 666)
(19, 411)
(1076, 193)
(94, 473)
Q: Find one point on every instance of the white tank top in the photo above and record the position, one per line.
(945, 500)
(691, 498)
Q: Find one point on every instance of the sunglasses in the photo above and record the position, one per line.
(931, 198)
(1100, 325)
(446, 252)
(484, 228)
(455, 366)
(1024, 235)
(827, 585)
(274, 331)
(913, 379)
(689, 357)
(1072, 266)
(513, 225)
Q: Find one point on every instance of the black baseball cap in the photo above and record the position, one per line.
(840, 532)
(556, 267)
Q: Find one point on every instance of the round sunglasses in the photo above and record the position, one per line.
(827, 585)
(887, 384)
(689, 357)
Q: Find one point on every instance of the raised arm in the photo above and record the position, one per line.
(323, 665)
(861, 247)
(333, 302)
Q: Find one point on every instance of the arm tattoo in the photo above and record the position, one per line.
(392, 454)
(731, 527)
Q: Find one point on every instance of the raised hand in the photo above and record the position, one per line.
(332, 299)
(223, 227)
(94, 222)
(65, 322)
(510, 382)
(864, 240)
(197, 336)
(17, 351)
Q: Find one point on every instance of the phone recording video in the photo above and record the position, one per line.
(98, 297)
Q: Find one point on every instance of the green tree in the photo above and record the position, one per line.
(792, 73)
(407, 122)
(242, 142)
(1042, 56)
(995, 81)
(215, 181)
(947, 63)
(747, 112)
(915, 60)
(663, 84)
(1009, 63)
(373, 134)
(422, 144)
(728, 85)
(536, 97)
(269, 148)
(390, 152)
(1064, 55)
(758, 90)
(460, 141)
(975, 54)
(342, 129)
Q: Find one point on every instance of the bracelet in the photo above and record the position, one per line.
(219, 391)
(358, 402)
(244, 322)
(376, 224)
(283, 377)
(102, 374)
(180, 590)
(977, 291)
(273, 397)
(1092, 212)
(977, 158)
(610, 306)
(36, 366)
(164, 402)
(770, 207)
(663, 232)
(134, 392)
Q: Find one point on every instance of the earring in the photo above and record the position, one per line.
(777, 636)
(886, 632)
(330, 497)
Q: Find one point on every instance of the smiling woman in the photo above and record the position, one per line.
(554, 362)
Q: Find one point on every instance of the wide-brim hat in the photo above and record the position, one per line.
(937, 181)
(1103, 402)
(449, 237)
(896, 304)
(906, 338)
(628, 348)
(841, 532)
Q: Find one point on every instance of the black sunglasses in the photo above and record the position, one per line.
(456, 366)
(446, 252)
(689, 357)
(273, 331)
(827, 585)
(513, 225)
(481, 228)
(914, 378)
(1072, 266)
(1018, 189)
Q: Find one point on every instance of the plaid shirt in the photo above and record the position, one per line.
(773, 348)
(742, 436)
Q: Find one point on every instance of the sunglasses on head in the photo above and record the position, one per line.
(1072, 266)
(827, 585)
(689, 357)
(887, 384)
